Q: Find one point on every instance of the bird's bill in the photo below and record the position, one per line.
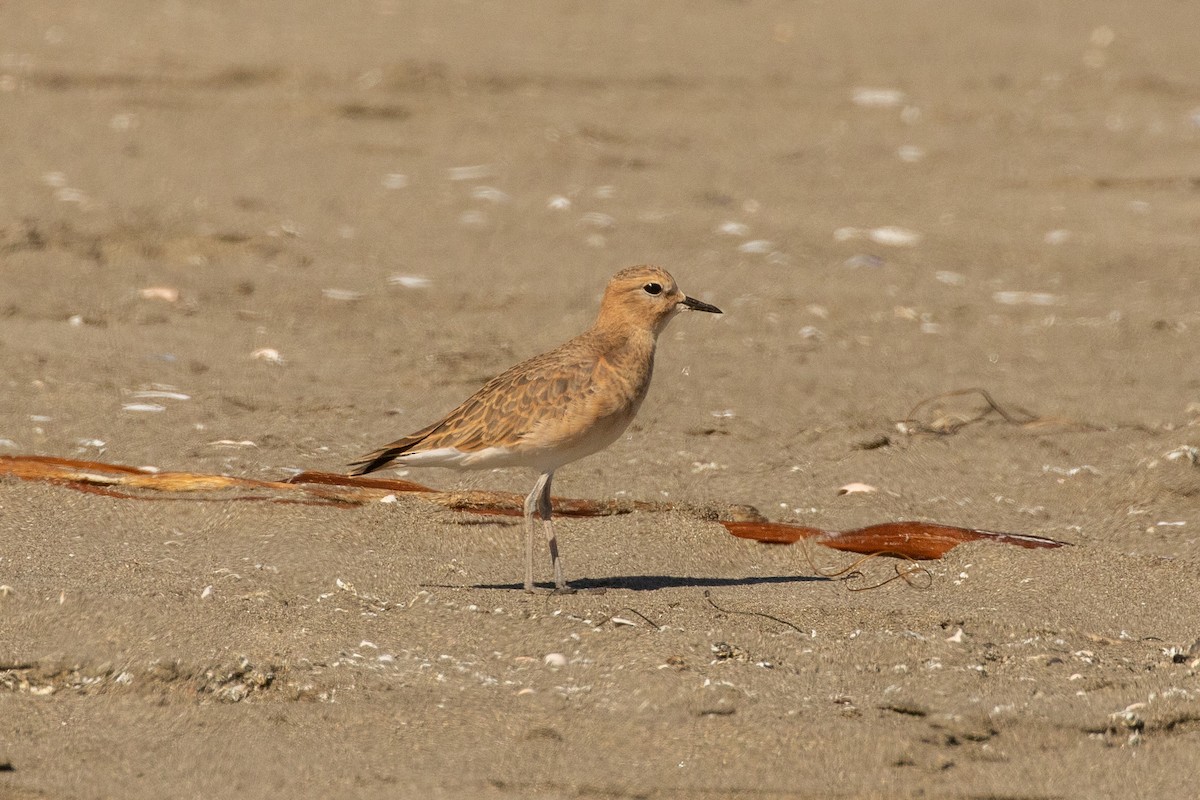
(697, 305)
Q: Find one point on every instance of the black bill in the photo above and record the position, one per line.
(697, 305)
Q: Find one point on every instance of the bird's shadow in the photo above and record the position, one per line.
(649, 583)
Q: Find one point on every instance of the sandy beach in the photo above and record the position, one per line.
(258, 238)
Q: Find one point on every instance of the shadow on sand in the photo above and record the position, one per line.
(647, 583)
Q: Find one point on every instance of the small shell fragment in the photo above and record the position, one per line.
(1187, 451)
(1057, 236)
(555, 660)
(1026, 298)
(894, 236)
(469, 173)
(410, 281)
(395, 180)
(870, 97)
(890, 235)
(268, 354)
(865, 260)
(857, 488)
(168, 294)
(597, 219)
(491, 194)
(756, 246)
(344, 295)
(70, 195)
(148, 408)
(161, 394)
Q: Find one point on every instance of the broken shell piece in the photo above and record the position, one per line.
(473, 219)
(890, 235)
(1057, 236)
(161, 394)
(168, 294)
(491, 194)
(409, 281)
(1026, 298)
(870, 97)
(143, 407)
(69, 195)
(268, 354)
(756, 246)
(597, 219)
(857, 488)
(863, 260)
(1187, 451)
(469, 173)
(555, 660)
(894, 236)
(724, 651)
(346, 295)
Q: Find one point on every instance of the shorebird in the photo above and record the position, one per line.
(557, 407)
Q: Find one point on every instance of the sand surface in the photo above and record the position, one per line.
(889, 200)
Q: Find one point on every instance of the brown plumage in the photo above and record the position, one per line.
(556, 407)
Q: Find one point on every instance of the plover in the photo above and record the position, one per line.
(557, 407)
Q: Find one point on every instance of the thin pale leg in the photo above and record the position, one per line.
(532, 504)
(545, 511)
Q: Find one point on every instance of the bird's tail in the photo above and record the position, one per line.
(385, 455)
(376, 460)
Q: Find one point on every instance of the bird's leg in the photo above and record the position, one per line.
(544, 510)
(531, 506)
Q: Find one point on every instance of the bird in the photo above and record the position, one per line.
(557, 407)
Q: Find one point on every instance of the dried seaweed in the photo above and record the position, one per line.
(906, 540)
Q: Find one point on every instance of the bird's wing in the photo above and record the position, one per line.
(506, 409)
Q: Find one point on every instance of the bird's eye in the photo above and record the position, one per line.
(653, 288)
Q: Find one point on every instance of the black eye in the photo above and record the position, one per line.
(653, 288)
